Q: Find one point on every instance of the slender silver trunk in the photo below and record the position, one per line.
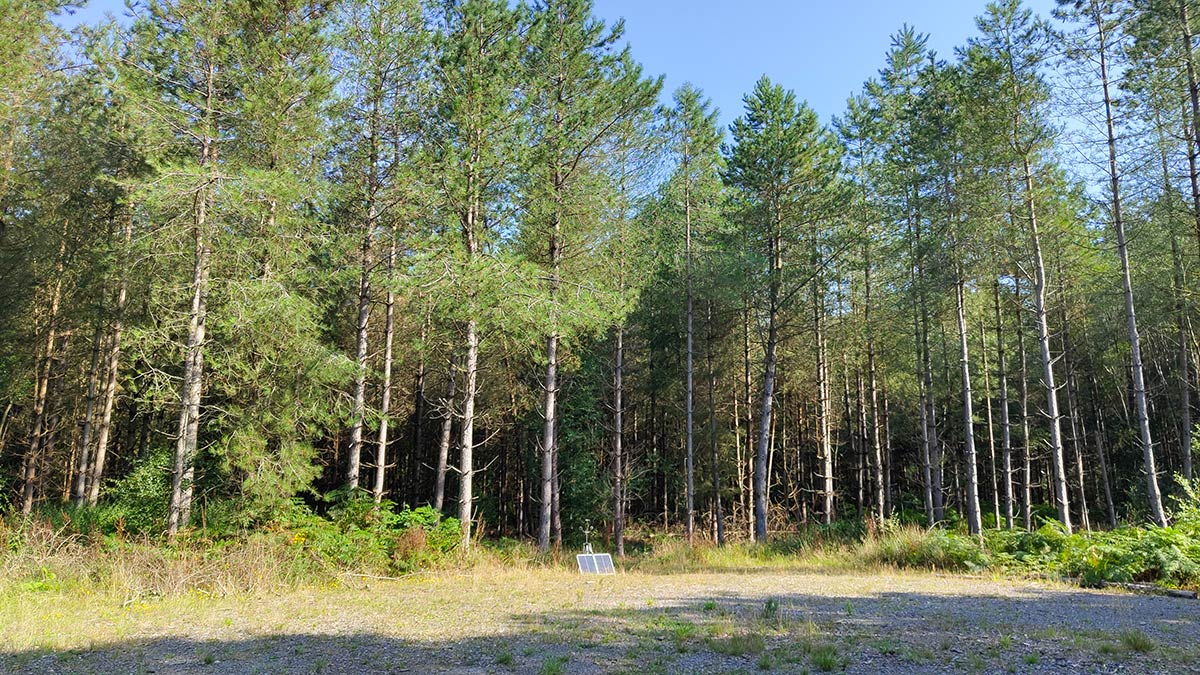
(824, 409)
(881, 501)
(1005, 422)
(1027, 469)
(549, 410)
(1153, 495)
(381, 442)
(1041, 316)
(974, 519)
(718, 510)
(183, 469)
(466, 467)
(991, 427)
(354, 460)
(618, 442)
(690, 520)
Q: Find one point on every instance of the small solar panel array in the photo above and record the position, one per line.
(595, 563)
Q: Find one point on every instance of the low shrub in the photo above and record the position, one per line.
(94, 550)
(363, 535)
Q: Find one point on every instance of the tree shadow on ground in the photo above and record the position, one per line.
(1031, 630)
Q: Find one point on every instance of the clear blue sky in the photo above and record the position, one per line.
(823, 49)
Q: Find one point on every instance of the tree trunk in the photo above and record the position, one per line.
(41, 385)
(974, 518)
(824, 411)
(1185, 363)
(930, 435)
(54, 406)
(991, 428)
(1005, 422)
(1153, 496)
(618, 442)
(1027, 470)
(443, 458)
(412, 485)
(183, 470)
(550, 384)
(718, 510)
(747, 385)
(887, 455)
(881, 498)
(466, 448)
(83, 470)
(764, 432)
(41, 390)
(922, 398)
(354, 454)
(1043, 329)
(690, 522)
(381, 455)
(1077, 438)
(110, 386)
(550, 387)
(1194, 100)
(1101, 453)
(768, 393)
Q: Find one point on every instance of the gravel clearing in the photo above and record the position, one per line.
(548, 622)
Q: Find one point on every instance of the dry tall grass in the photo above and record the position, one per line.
(38, 557)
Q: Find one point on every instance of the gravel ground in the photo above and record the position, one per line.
(552, 622)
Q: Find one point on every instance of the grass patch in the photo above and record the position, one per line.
(772, 613)
(738, 644)
(553, 665)
(826, 659)
(885, 646)
(1136, 641)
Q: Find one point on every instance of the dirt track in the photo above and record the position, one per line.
(511, 621)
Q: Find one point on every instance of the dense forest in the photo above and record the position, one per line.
(263, 257)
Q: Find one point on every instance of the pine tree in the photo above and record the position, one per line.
(475, 134)
(785, 166)
(582, 89)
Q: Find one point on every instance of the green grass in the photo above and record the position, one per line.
(553, 665)
(825, 658)
(1136, 641)
(771, 612)
(738, 644)
(885, 646)
(681, 633)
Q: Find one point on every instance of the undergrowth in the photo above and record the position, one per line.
(87, 551)
(1168, 556)
(97, 551)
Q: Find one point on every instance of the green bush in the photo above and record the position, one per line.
(360, 534)
(137, 503)
(1164, 555)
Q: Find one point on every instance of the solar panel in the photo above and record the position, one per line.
(595, 563)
